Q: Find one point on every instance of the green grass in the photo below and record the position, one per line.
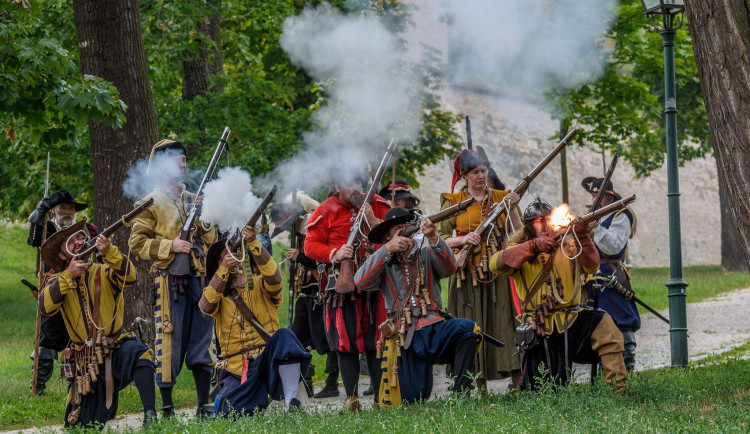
(704, 281)
(19, 410)
(711, 398)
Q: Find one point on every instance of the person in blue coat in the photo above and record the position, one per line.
(611, 236)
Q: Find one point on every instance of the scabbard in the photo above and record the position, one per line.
(109, 382)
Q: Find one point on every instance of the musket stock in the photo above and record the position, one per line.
(345, 280)
(90, 246)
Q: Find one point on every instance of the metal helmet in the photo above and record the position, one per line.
(537, 208)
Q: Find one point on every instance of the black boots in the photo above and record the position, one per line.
(149, 418)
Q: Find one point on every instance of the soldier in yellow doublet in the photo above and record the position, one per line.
(100, 360)
(183, 332)
(554, 306)
(256, 355)
(475, 293)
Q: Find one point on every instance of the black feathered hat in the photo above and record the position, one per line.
(466, 161)
(63, 196)
(593, 184)
(394, 216)
(398, 190)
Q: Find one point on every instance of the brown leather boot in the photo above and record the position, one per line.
(608, 342)
(615, 372)
(352, 403)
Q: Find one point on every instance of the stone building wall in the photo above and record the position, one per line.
(516, 134)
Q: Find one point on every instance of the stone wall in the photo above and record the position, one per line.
(516, 134)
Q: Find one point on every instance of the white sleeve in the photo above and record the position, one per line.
(611, 241)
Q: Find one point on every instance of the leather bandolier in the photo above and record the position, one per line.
(80, 362)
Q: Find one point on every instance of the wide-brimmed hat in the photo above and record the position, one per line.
(53, 246)
(592, 184)
(163, 146)
(213, 256)
(394, 216)
(63, 196)
(398, 190)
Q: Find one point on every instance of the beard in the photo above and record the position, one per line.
(356, 199)
(64, 220)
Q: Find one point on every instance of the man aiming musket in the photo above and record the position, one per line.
(332, 240)
(416, 335)
(167, 231)
(62, 207)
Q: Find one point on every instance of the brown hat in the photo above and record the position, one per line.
(165, 145)
(51, 247)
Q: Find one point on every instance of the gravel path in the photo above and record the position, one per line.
(715, 325)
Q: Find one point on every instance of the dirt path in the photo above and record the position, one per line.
(715, 325)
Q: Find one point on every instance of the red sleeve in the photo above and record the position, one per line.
(317, 237)
(379, 207)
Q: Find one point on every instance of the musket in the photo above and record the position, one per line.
(345, 281)
(180, 265)
(292, 264)
(234, 242)
(612, 283)
(520, 190)
(489, 338)
(90, 245)
(34, 290)
(40, 273)
(597, 203)
(439, 216)
(607, 178)
(468, 133)
(597, 214)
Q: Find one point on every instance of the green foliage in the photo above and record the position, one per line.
(45, 104)
(622, 110)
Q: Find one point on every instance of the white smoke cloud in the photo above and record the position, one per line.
(372, 93)
(142, 179)
(228, 200)
(526, 45)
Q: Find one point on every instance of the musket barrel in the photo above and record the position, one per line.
(607, 178)
(235, 242)
(116, 226)
(608, 209)
(439, 216)
(524, 184)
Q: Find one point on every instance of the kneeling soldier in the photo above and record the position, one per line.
(100, 360)
(559, 329)
(409, 278)
(258, 359)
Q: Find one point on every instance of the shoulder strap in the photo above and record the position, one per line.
(247, 314)
(539, 280)
(97, 299)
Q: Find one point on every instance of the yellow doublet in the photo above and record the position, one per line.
(64, 293)
(566, 274)
(155, 228)
(234, 333)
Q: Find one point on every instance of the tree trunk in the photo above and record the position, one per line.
(111, 46)
(732, 257)
(720, 30)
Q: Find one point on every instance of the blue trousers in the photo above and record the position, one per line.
(192, 334)
(263, 378)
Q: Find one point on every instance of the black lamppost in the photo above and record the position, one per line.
(670, 13)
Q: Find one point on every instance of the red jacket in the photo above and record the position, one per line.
(329, 225)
